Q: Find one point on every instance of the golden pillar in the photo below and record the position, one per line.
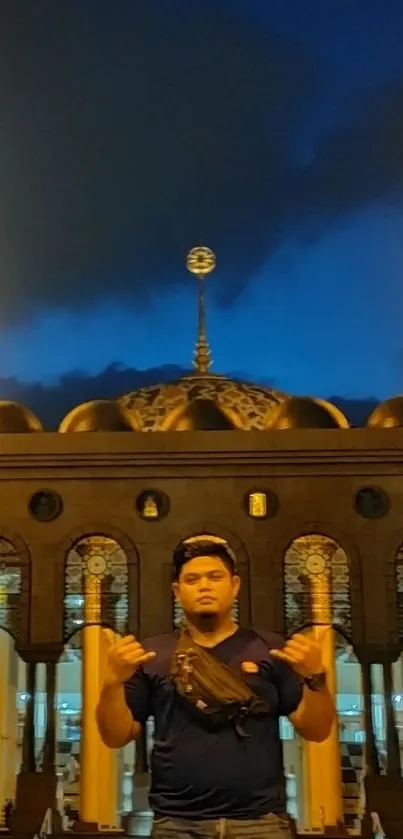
(8, 712)
(98, 764)
(322, 777)
(4, 663)
(11, 749)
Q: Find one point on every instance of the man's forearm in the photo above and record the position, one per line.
(315, 715)
(115, 722)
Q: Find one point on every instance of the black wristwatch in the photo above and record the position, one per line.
(316, 682)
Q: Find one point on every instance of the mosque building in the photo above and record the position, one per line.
(313, 510)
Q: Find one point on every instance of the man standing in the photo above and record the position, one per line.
(216, 692)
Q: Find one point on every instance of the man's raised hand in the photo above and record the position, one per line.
(125, 657)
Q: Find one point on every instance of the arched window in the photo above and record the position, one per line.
(96, 594)
(316, 584)
(399, 590)
(317, 591)
(96, 585)
(14, 589)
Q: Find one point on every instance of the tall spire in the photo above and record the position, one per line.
(200, 262)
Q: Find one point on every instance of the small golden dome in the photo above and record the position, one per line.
(99, 415)
(388, 414)
(16, 419)
(306, 412)
(200, 415)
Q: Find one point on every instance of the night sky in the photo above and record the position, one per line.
(270, 130)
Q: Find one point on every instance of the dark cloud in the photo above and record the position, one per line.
(355, 166)
(131, 130)
(52, 402)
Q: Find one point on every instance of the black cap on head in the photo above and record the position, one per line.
(202, 547)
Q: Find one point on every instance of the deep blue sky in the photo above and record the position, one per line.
(271, 130)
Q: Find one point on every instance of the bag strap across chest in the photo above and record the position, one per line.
(210, 685)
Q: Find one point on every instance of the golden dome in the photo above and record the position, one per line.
(16, 419)
(202, 402)
(388, 414)
(306, 412)
(199, 415)
(99, 415)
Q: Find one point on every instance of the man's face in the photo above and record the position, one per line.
(206, 587)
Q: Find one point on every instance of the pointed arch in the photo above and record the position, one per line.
(399, 590)
(317, 584)
(100, 581)
(15, 586)
(390, 556)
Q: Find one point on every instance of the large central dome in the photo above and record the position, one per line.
(202, 403)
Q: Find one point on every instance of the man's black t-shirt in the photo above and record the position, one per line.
(201, 774)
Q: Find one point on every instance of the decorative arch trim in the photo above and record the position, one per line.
(18, 543)
(98, 529)
(171, 418)
(20, 610)
(393, 543)
(334, 412)
(129, 549)
(343, 540)
(394, 546)
(321, 528)
(14, 636)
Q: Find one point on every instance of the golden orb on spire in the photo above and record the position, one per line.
(201, 261)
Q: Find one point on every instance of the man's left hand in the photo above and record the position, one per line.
(303, 654)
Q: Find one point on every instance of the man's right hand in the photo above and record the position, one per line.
(125, 657)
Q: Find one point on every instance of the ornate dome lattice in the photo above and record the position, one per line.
(200, 415)
(245, 406)
(202, 401)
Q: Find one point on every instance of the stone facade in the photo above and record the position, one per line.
(202, 479)
(314, 474)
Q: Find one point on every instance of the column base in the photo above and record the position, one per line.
(337, 832)
(85, 827)
(94, 829)
(35, 795)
